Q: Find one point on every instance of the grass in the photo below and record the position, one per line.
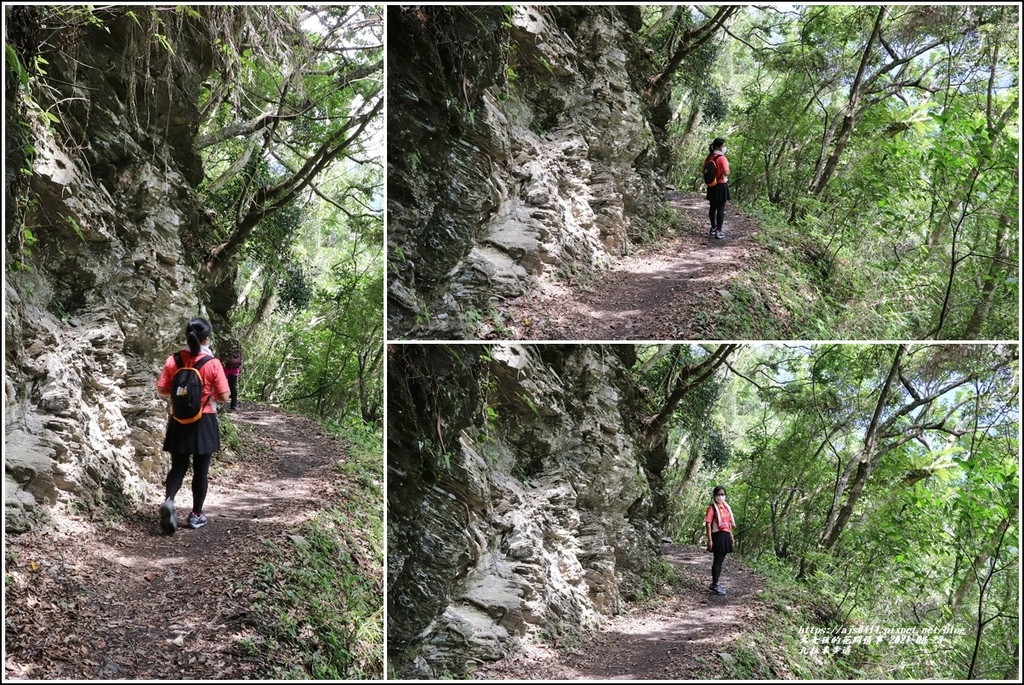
(320, 609)
(662, 580)
(486, 323)
(788, 291)
(773, 647)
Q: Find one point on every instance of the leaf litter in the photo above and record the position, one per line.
(656, 293)
(116, 599)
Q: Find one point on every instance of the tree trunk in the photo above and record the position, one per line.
(995, 270)
(971, 575)
(851, 113)
(689, 379)
(657, 85)
(838, 516)
(864, 470)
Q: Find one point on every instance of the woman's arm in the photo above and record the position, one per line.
(710, 543)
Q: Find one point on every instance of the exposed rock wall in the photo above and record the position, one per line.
(519, 145)
(99, 293)
(532, 517)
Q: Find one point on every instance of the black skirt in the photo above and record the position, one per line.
(201, 437)
(718, 193)
(721, 542)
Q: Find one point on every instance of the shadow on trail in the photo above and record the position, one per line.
(653, 294)
(117, 599)
(686, 637)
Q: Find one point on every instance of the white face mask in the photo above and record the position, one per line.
(719, 498)
(724, 148)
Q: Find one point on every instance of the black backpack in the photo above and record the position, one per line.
(187, 390)
(710, 172)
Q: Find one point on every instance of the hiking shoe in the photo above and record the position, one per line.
(720, 235)
(718, 589)
(196, 521)
(168, 521)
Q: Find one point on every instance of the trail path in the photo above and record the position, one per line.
(117, 599)
(687, 638)
(657, 293)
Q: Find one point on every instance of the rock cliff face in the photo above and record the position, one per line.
(517, 500)
(97, 290)
(519, 144)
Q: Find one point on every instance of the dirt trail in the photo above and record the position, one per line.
(688, 637)
(654, 294)
(117, 599)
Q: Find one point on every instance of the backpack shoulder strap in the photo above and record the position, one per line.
(197, 363)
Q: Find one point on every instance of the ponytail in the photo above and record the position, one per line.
(196, 331)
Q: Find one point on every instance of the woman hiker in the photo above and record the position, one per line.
(718, 190)
(719, 523)
(232, 368)
(191, 379)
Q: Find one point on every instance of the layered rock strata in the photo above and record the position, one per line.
(519, 147)
(96, 291)
(518, 506)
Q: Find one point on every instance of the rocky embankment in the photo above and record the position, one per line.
(97, 289)
(520, 144)
(518, 504)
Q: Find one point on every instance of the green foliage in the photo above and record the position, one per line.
(314, 313)
(657, 226)
(487, 324)
(661, 580)
(905, 184)
(928, 546)
(318, 602)
(291, 147)
(664, 28)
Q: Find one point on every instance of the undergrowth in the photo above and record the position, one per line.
(803, 637)
(662, 580)
(792, 288)
(320, 609)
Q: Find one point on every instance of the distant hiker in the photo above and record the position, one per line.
(716, 168)
(191, 379)
(233, 367)
(719, 523)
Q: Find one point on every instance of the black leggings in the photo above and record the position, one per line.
(233, 386)
(716, 566)
(716, 213)
(722, 546)
(200, 470)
